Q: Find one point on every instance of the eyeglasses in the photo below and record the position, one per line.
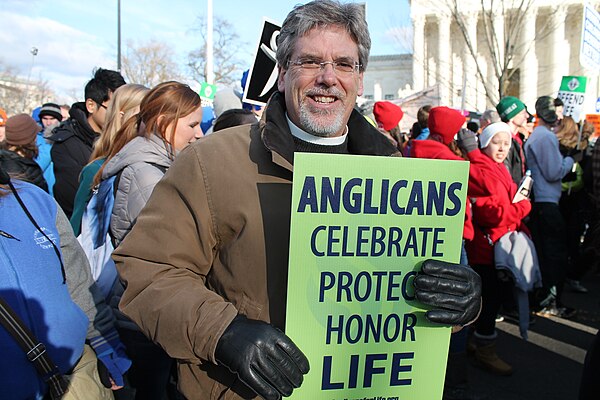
(345, 67)
(102, 105)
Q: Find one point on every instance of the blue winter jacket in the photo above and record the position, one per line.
(31, 282)
(44, 160)
(547, 165)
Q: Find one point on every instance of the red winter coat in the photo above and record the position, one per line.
(435, 150)
(494, 213)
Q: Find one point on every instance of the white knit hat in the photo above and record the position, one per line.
(490, 130)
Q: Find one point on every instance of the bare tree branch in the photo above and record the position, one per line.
(228, 52)
(149, 63)
(506, 50)
(17, 95)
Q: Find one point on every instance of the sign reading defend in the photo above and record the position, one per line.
(360, 227)
(572, 93)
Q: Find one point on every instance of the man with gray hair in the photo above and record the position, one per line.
(211, 289)
(488, 117)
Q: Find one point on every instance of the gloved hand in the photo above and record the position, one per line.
(112, 359)
(466, 140)
(263, 357)
(570, 177)
(576, 155)
(454, 290)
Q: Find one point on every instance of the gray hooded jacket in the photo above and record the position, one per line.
(137, 180)
(139, 160)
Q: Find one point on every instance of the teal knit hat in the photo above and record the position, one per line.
(509, 107)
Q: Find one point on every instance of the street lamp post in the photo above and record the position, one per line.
(119, 35)
(34, 52)
(210, 74)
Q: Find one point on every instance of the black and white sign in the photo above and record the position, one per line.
(262, 78)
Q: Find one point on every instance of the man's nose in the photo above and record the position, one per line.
(327, 75)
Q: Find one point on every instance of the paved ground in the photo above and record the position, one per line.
(549, 365)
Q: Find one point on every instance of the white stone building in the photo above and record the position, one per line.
(18, 95)
(545, 49)
(388, 77)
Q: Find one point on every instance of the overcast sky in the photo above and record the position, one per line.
(73, 37)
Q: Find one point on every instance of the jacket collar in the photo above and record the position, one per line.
(363, 138)
(79, 114)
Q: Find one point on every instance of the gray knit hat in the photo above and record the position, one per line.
(52, 110)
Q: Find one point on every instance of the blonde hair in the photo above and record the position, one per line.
(169, 100)
(124, 104)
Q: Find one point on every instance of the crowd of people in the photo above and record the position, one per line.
(147, 252)
(528, 248)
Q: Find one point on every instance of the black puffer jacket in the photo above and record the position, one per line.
(71, 151)
(22, 168)
(514, 162)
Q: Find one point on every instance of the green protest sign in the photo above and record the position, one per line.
(360, 227)
(572, 93)
(207, 91)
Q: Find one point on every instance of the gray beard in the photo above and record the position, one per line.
(317, 128)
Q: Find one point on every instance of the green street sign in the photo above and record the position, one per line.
(207, 91)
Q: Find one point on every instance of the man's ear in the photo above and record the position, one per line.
(91, 106)
(281, 79)
(361, 86)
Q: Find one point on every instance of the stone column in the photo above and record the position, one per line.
(528, 67)
(418, 52)
(498, 25)
(559, 47)
(481, 103)
(470, 61)
(444, 59)
(377, 92)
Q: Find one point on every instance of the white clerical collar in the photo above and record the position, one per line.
(307, 137)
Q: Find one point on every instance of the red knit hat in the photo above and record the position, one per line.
(445, 122)
(387, 114)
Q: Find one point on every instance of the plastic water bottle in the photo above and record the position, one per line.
(524, 188)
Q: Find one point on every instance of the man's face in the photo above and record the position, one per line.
(97, 113)
(521, 118)
(559, 112)
(320, 101)
(48, 120)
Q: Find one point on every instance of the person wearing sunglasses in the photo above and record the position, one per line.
(73, 139)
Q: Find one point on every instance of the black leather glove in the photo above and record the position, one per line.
(263, 357)
(570, 177)
(576, 155)
(454, 290)
(466, 140)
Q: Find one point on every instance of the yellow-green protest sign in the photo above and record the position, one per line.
(360, 227)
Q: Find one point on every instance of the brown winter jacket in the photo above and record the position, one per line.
(213, 242)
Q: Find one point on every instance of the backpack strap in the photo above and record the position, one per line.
(34, 349)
